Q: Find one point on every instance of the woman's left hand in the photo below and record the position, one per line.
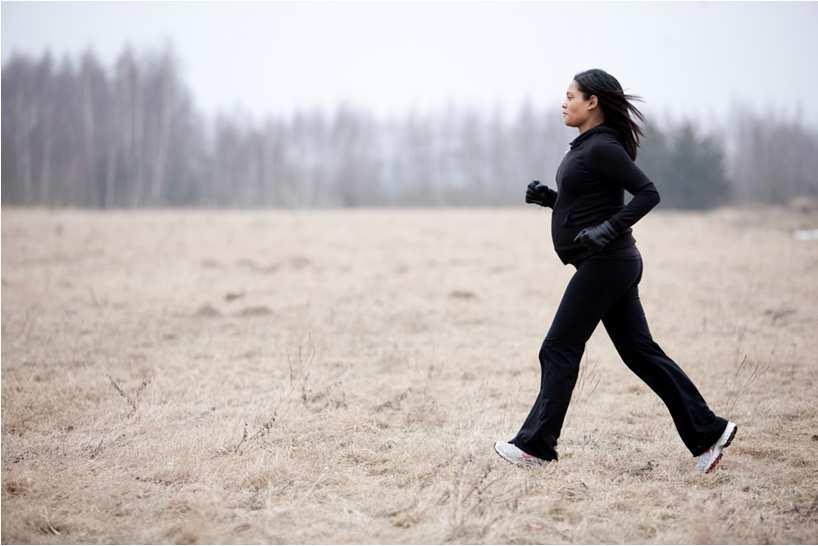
(596, 237)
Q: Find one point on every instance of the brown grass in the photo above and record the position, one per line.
(341, 376)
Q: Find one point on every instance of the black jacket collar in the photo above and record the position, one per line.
(601, 128)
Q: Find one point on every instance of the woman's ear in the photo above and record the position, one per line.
(593, 102)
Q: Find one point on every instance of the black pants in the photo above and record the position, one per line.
(605, 287)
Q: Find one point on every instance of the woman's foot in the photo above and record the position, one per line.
(515, 455)
(710, 458)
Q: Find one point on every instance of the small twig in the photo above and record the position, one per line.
(740, 365)
(587, 376)
(48, 525)
(246, 438)
(477, 485)
(265, 428)
(302, 357)
(132, 401)
(141, 389)
(123, 394)
(96, 450)
(243, 439)
(754, 370)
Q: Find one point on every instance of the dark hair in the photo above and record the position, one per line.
(615, 106)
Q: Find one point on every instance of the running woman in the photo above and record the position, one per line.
(591, 230)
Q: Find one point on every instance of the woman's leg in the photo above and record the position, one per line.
(595, 286)
(627, 326)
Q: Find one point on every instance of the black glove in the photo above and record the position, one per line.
(539, 194)
(596, 237)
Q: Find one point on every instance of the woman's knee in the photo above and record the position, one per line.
(554, 351)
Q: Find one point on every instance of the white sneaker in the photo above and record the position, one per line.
(710, 458)
(515, 455)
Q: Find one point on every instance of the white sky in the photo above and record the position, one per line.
(683, 58)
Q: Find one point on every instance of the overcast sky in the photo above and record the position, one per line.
(683, 58)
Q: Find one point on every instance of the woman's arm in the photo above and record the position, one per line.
(612, 164)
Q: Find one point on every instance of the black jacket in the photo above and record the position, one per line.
(591, 180)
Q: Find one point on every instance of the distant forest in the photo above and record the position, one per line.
(75, 133)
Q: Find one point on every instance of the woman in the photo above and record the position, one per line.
(591, 229)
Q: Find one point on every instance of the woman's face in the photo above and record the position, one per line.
(575, 110)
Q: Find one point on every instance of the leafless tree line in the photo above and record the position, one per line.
(77, 134)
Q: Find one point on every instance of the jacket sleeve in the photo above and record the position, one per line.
(613, 165)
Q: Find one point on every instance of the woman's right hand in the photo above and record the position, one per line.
(540, 194)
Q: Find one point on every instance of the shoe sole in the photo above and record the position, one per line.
(732, 435)
(727, 443)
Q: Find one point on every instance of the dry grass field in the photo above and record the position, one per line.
(341, 376)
